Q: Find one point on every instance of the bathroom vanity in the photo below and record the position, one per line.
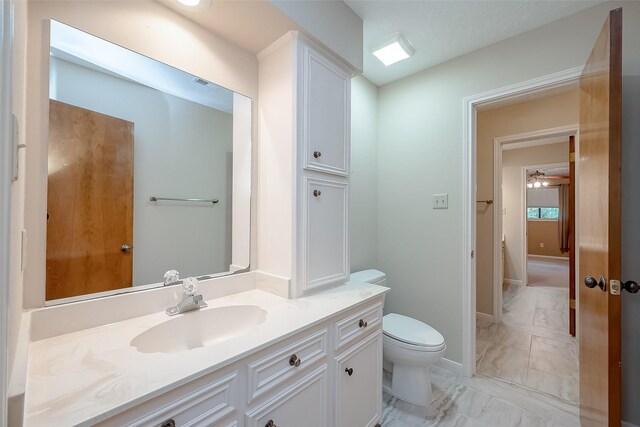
(284, 340)
(256, 360)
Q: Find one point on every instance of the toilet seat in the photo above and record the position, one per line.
(411, 334)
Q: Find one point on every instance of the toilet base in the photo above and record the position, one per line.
(410, 385)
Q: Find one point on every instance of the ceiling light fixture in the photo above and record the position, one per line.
(393, 49)
(191, 3)
(537, 180)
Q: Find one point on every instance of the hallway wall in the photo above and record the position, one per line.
(558, 108)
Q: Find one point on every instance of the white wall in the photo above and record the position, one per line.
(420, 152)
(181, 149)
(332, 22)
(146, 27)
(364, 176)
(18, 187)
(512, 196)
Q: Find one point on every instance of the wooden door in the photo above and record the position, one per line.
(572, 235)
(599, 221)
(89, 202)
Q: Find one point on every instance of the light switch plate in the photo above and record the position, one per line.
(441, 201)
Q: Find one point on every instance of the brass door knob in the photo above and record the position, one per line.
(317, 193)
(349, 371)
(363, 324)
(317, 154)
(294, 361)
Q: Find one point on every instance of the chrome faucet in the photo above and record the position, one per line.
(191, 301)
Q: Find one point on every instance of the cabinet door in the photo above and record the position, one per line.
(326, 119)
(359, 384)
(325, 241)
(302, 404)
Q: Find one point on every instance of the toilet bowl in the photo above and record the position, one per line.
(410, 347)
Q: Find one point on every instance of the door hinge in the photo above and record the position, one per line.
(572, 157)
(471, 254)
(572, 303)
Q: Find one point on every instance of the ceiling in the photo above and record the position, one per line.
(441, 30)
(242, 21)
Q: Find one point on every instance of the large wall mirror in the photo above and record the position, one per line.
(149, 170)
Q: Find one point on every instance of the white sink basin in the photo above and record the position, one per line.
(199, 329)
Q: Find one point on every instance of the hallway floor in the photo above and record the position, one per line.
(479, 402)
(532, 347)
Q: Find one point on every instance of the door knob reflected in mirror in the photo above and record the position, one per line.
(591, 282)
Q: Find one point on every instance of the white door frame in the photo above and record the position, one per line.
(469, 157)
(6, 155)
(523, 140)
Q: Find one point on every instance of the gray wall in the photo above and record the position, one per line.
(364, 174)
(631, 245)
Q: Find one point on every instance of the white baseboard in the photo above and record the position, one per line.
(485, 316)
(548, 256)
(628, 424)
(512, 282)
(450, 365)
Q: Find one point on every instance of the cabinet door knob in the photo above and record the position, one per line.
(270, 423)
(349, 371)
(317, 193)
(168, 423)
(317, 154)
(363, 324)
(294, 361)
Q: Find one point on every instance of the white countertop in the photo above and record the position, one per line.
(87, 376)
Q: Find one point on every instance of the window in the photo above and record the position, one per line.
(542, 213)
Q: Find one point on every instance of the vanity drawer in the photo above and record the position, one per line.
(285, 363)
(305, 403)
(356, 326)
(204, 402)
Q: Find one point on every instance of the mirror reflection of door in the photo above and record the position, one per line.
(90, 202)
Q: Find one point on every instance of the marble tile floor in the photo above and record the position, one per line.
(532, 347)
(479, 402)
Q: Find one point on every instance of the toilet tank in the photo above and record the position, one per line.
(375, 277)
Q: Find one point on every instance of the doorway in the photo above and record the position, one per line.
(524, 339)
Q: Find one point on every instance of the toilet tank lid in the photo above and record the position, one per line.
(367, 276)
(411, 331)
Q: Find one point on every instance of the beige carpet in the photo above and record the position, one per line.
(548, 272)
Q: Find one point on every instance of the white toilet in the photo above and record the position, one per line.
(410, 347)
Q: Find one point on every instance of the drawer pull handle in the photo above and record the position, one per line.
(317, 154)
(270, 423)
(295, 361)
(363, 324)
(168, 423)
(349, 371)
(317, 193)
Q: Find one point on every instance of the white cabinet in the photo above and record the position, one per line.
(325, 236)
(325, 104)
(358, 397)
(304, 103)
(304, 404)
(298, 381)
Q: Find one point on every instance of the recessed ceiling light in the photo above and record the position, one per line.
(393, 49)
(191, 5)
